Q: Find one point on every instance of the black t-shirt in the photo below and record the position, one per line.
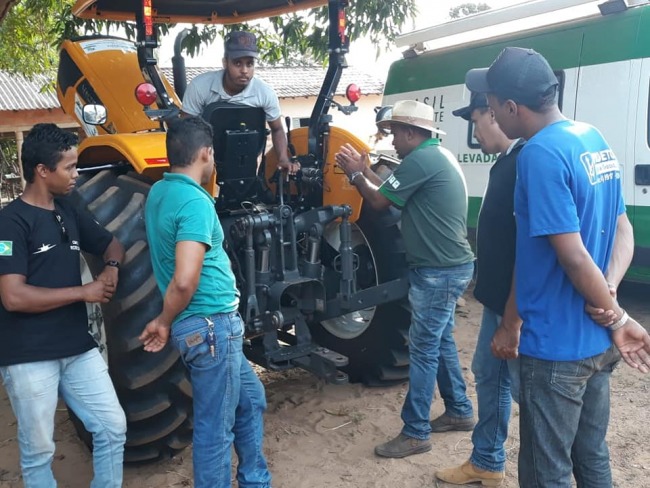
(34, 244)
(496, 234)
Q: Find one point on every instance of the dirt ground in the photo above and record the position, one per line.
(320, 435)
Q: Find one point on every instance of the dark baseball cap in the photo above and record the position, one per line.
(240, 44)
(518, 74)
(476, 100)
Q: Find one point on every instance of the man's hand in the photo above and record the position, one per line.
(601, 316)
(350, 160)
(633, 342)
(288, 166)
(155, 335)
(98, 291)
(505, 343)
(110, 274)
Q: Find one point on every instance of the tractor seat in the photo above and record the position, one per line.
(239, 138)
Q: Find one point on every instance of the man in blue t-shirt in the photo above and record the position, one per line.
(200, 304)
(573, 238)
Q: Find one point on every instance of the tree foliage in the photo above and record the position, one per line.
(33, 30)
(466, 9)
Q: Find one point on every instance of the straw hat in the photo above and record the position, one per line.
(409, 112)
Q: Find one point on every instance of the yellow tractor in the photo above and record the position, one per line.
(322, 277)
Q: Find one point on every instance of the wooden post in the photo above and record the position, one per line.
(19, 144)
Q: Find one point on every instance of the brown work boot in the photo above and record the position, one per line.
(402, 446)
(468, 473)
(445, 423)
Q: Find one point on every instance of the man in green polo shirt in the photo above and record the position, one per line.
(199, 311)
(429, 187)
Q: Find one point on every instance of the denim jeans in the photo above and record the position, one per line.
(86, 387)
(497, 383)
(432, 349)
(229, 402)
(564, 416)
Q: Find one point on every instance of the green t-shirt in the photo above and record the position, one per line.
(178, 209)
(430, 188)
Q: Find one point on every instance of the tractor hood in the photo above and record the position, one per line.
(189, 11)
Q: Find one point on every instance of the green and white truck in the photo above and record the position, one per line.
(602, 61)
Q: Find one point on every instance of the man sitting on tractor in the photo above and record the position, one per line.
(236, 83)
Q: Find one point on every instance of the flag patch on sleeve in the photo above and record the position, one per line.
(6, 248)
(394, 182)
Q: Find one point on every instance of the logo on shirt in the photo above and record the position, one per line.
(393, 182)
(6, 248)
(600, 166)
(45, 248)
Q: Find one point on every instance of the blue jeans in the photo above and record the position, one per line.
(564, 415)
(497, 383)
(86, 387)
(229, 402)
(432, 349)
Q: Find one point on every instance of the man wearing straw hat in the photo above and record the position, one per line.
(429, 188)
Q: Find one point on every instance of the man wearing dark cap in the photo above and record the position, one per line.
(236, 83)
(495, 260)
(430, 188)
(574, 244)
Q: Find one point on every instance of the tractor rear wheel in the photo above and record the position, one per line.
(153, 389)
(376, 339)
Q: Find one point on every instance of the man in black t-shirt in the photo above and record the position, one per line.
(495, 261)
(45, 345)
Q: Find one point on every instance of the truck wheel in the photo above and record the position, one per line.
(376, 339)
(153, 389)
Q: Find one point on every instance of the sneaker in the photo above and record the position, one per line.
(402, 446)
(445, 423)
(468, 473)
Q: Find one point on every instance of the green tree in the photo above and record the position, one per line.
(465, 9)
(33, 29)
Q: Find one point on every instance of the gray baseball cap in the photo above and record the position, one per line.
(240, 44)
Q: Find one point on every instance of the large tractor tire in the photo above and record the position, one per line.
(154, 389)
(375, 340)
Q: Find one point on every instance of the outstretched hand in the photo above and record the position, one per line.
(350, 160)
(155, 335)
(633, 342)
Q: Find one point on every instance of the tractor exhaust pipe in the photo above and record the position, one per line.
(178, 65)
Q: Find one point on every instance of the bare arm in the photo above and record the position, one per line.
(279, 139)
(622, 252)
(583, 272)
(184, 282)
(370, 193)
(114, 252)
(18, 296)
(505, 343)
(354, 164)
(372, 177)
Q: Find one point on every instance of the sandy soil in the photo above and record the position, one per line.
(320, 435)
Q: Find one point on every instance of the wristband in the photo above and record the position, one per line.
(354, 175)
(621, 322)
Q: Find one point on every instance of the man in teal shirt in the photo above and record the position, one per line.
(430, 189)
(200, 304)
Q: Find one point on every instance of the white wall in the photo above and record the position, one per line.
(361, 123)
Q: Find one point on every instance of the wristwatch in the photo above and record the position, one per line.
(352, 177)
(112, 262)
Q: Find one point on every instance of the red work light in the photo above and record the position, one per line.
(147, 15)
(353, 93)
(145, 93)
